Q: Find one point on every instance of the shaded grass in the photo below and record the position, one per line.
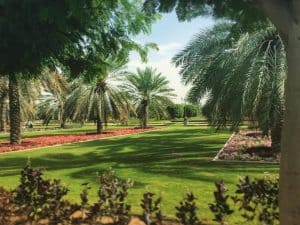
(168, 162)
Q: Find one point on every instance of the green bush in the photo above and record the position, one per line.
(175, 111)
(190, 110)
(182, 110)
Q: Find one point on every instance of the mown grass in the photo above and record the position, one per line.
(169, 162)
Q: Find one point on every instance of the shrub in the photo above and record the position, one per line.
(112, 196)
(258, 199)
(190, 110)
(152, 214)
(41, 198)
(175, 111)
(187, 210)
(221, 208)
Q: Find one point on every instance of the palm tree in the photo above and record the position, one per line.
(148, 88)
(22, 98)
(53, 102)
(30, 91)
(241, 74)
(14, 106)
(98, 97)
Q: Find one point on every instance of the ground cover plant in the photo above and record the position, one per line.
(168, 162)
(42, 141)
(73, 128)
(249, 145)
(88, 128)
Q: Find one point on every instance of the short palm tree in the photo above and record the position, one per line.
(98, 97)
(148, 88)
(30, 91)
(240, 74)
(55, 90)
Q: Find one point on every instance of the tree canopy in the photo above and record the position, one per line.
(241, 75)
(148, 88)
(36, 33)
(237, 10)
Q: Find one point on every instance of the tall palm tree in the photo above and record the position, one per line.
(98, 96)
(22, 98)
(14, 106)
(240, 73)
(148, 88)
(28, 91)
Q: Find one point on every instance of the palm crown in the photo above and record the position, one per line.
(98, 96)
(241, 74)
(148, 88)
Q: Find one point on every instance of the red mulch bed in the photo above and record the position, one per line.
(249, 146)
(42, 141)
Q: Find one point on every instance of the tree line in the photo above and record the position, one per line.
(114, 94)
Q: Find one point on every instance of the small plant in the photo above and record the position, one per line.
(258, 199)
(152, 214)
(112, 197)
(242, 149)
(84, 195)
(221, 208)
(41, 198)
(187, 210)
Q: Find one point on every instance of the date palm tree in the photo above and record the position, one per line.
(98, 97)
(241, 74)
(148, 88)
(55, 88)
(28, 92)
(17, 103)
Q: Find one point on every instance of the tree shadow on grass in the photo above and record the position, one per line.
(182, 153)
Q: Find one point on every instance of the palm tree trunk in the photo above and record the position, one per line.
(145, 115)
(62, 117)
(99, 125)
(3, 111)
(14, 110)
(63, 123)
(289, 196)
(99, 122)
(276, 128)
(276, 136)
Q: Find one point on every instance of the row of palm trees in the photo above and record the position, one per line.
(112, 93)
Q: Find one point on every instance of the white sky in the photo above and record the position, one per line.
(170, 36)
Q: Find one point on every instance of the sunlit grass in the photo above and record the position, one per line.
(169, 162)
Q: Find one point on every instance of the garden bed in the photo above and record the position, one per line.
(43, 141)
(248, 145)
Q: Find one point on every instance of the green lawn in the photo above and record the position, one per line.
(169, 162)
